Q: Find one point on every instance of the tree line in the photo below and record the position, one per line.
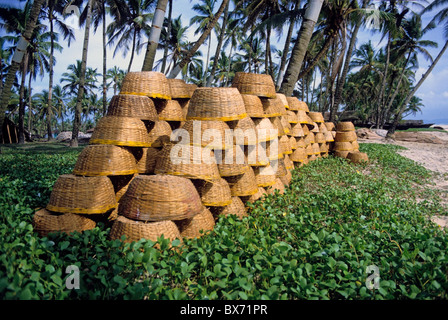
(319, 59)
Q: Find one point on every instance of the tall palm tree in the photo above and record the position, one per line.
(73, 79)
(116, 76)
(60, 98)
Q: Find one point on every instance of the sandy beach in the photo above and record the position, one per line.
(430, 149)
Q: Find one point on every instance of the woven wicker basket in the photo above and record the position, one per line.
(280, 167)
(345, 136)
(355, 145)
(188, 161)
(147, 162)
(357, 157)
(261, 192)
(293, 103)
(319, 137)
(297, 130)
(299, 155)
(209, 103)
(305, 129)
(273, 149)
(79, 194)
(136, 230)
(265, 130)
(277, 186)
(244, 131)
(236, 207)
(105, 160)
(314, 128)
(253, 105)
(282, 97)
(169, 110)
(179, 89)
(265, 176)
(257, 155)
(160, 197)
(191, 87)
(121, 131)
(286, 124)
(126, 105)
(273, 107)
(292, 117)
(214, 193)
(322, 127)
(159, 133)
(287, 178)
(345, 126)
(285, 145)
(316, 117)
(302, 117)
(260, 85)
(213, 134)
(197, 226)
(121, 184)
(328, 136)
(46, 222)
(243, 185)
(343, 146)
(330, 126)
(304, 106)
(277, 123)
(289, 164)
(301, 143)
(316, 148)
(146, 83)
(323, 147)
(231, 162)
(293, 143)
(341, 154)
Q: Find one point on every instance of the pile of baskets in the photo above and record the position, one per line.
(169, 158)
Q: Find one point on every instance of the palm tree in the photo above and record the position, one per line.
(73, 79)
(116, 76)
(17, 58)
(131, 21)
(60, 98)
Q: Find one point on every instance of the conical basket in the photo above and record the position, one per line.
(277, 186)
(277, 123)
(273, 107)
(121, 184)
(213, 134)
(244, 131)
(319, 137)
(297, 130)
(289, 164)
(345, 126)
(343, 146)
(179, 89)
(293, 103)
(197, 226)
(261, 192)
(265, 176)
(214, 193)
(286, 179)
(257, 155)
(285, 145)
(160, 197)
(147, 161)
(136, 230)
(121, 131)
(274, 149)
(243, 185)
(283, 99)
(105, 160)
(345, 136)
(231, 162)
(210, 103)
(260, 85)
(169, 110)
(292, 117)
(236, 207)
(330, 126)
(293, 143)
(299, 155)
(159, 133)
(253, 105)
(279, 167)
(357, 157)
(265, 130)
(46, 222)
(146, 83)
(79, 194)
(126, 105)
(316, 117)
(187, 161)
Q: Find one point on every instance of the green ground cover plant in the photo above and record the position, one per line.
(316, 241)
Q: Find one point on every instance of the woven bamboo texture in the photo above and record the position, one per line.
(121, 131)
(253, 105)
(231, 162)
(316, 117)
(209, 103)
(147, 162)
(236, 207)
(357, 157)
(214, 193)
(341, 154)
(345, 126)
(179, 89)
(305, 129)
(159, 133)
(261, 192)
(265, 176)
(243, 185)
(286, 179)
(286, 124)
(293, 103)
(146, 83)
(330, 126)
(355, 145)
(160, 197)
(79, 194)
(289, 164)
(302, 117)
(292, 117)
(260, 85)
(343, 146)
(121, 184)
(136, 230)
(265, 130)
(277, 186)
(169, 110)
(277, 123)
(126, 105)
(320, 137)
(279, 167)
(244, 131)
(293, 143)
(257, 155)
(273, 149)
(297, 130)
(283, 99)
(345, 136)
(213, 134)
(299, 155)
(105, 160)
(273, 107)
(46, 222)
(187, 161)
(285, 145)
(197, 226)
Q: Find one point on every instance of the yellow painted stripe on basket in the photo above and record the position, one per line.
(276, 157)
(171, 119)
(267, 184)
(191, 176)
(80, 210)
(217, 204)
(151, 95)
(260, 95)
(207, 146)
(272, 115)
(121, 143)
(232, 118)
(104, 173)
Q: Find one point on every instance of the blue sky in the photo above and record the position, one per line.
(434, 91)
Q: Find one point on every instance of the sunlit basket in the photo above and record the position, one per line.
(169, 110)
(210, 103)
(342, 146)
(146, 83)
(260, 85)
(80, 194)
(159, 133)
(257, 155)
(265, 176)
(293, 143)
(160, 197)
(316, 148)
(286, 125)
(105, 160)
(273, 107)
(292, 117)
(314, 128)
(323, 148)
(309, 150)
(243, 185)
(310, 138)
(319, 137)
(126, 105)
(253, 105)
(301, 143)
(179, 89)
(231, 162)
(244, 131)
(357, 157)
(310, 123)
(213, 134)
(121, 131)
(266, 131)
(236, 207)
(289, 164)
(304, 106)
(46, 222)
(345, 126)
(341, 154)
(214, 193)
(355, 146)
(277, 123)
(134, 230)
(322, 127)
(287, 178)
(297, 130)
(283, 99)
(305, 129)
(316, 117)
(330, 126)
(299, 155)
(278, 186)
(261, 192)
(285, 145)
(328, 136)
(197, 226)
(279, 167)
(293, 103)
(345, 136)
(121, 184)
(188, 161)
(191, 87)
(147, 161)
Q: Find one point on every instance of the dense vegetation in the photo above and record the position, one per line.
(313, 242)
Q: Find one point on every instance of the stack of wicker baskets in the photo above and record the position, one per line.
(346, 143)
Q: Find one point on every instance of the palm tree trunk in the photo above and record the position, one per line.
(133, 49)
(300, 47)
(30, 114)
(411, 94)
(82, 78)
(380, 100)
(168, 35)
(50, 82)
(200, 41)
(207, 61)
(219, 46)
(230, 65)
(104, 60)
(16, 60)
(154, 35)
(21, 138)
